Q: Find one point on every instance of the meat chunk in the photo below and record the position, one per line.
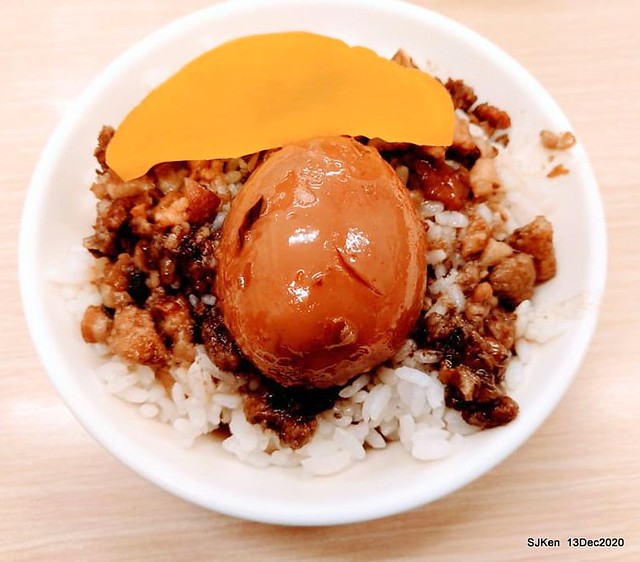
(557, 141)
(461, 343)
(484, 353)
(479, 304)
(196, 261)
(104, 138)
(513, 279)
(465, 382)
(493, 413)
(440, 182)
(139, 222)
(95, 325)
(469, 275)
(492, 116)
(483, 178)
(536, 239)
(463, 148)
(473, 361)
(403, 59)
(502, 139)
(462, 95)
(174, 322)
(292, 432)
(218, 343)
(110, 220)
(558, 170)
(206, 171)
(114, 226)
(494, 252)
(501, 324)
(134, 337)
(202, 203)
(117, 189)
(114, 215)
(169, 176)
(171, 210)
(122, 283)
(476, 237)
(467, 385)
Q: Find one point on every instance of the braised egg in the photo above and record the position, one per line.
(321, 263)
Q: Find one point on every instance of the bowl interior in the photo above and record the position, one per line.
(59, 213)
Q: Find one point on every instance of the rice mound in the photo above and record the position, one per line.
(401, 402)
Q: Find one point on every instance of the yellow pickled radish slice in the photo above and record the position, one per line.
(266, 91)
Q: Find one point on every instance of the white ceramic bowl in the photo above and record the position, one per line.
(58, 213)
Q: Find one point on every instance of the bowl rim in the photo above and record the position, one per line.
(28, 281)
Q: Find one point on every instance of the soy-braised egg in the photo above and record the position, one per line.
(321, 263)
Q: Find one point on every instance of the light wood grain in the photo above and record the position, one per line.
(63, 497)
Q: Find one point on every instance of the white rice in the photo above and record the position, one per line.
(453, 219)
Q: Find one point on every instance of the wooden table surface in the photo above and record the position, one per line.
(62, 497)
